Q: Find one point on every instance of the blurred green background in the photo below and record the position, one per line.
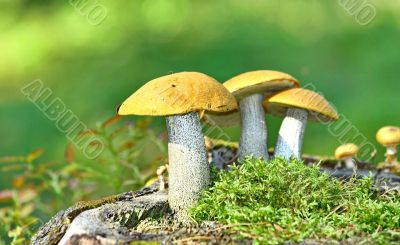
(93, 63)
(93, 68)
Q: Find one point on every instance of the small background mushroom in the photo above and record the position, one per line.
(389, 136)
(161, 171)
(346, 153)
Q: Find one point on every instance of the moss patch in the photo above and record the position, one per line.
(278, 201)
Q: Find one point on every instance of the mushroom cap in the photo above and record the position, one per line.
(179, 93)
(262, 81)
(266, 82)
(388, 135)
(161, 170)
(319, 109)
(346, 150)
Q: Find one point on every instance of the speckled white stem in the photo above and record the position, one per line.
(189, 171)
(349, 163)
(291, 133)
(253, 134)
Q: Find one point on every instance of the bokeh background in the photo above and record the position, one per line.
(93, 64)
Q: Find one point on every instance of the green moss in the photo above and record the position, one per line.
(277, 201)
(81, 206)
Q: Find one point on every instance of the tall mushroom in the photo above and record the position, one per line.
(297, 106)
(389, 136)
(180, 97)
(250, 89)
(346, 153)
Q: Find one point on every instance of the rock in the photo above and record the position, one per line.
(347, 173)
(84, 240)
(222, 157)
(114, 223)
(52, 232)
(383, 179)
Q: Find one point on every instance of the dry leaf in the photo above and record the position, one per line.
(126, 146)
(34, 155)
(95, 143)
(111, 121)
(143, 124)
(69, 153)
(18, 181)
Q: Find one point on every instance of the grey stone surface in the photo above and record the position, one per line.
(291, 133)
(383, 178)
(189, 170)
(253, 131)
(114, 222)
(52, 232)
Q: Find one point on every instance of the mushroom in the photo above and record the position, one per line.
(346, 153)
(297, 106)
(160, 175)
(250, 89)
(389, 136)
(179, 97)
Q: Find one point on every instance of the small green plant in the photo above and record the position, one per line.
(39, 189)
(132, 152)
(278, 201)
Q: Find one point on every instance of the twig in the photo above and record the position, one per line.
(334, 210)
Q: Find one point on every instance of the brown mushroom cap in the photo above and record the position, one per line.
(388, 135)
(346, 150)
(179, 93)
(266, 82)
(319, 108)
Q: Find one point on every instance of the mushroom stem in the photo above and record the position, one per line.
(189, 170)
(253, 134)
(291, 133)
(349, 163)
(160, 173)
(391, 154)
